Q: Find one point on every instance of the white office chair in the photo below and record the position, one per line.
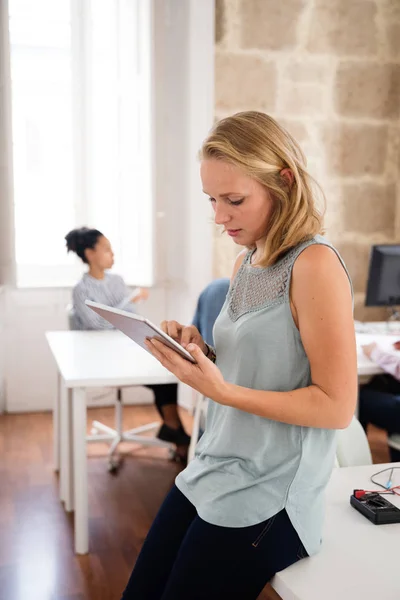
(352, 446)
(103, 433)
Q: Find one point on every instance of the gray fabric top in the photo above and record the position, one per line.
(248, 468)
(111, 291)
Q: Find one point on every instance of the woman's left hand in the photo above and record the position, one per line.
(368, 348)
(203, 376)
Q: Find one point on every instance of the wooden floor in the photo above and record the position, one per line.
(37, 561)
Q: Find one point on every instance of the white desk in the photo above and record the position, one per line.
(108, 359)
(90, 359)
(358, 560)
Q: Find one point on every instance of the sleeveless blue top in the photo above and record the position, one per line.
(248, 468)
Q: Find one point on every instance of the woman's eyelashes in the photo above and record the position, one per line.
(231, 202)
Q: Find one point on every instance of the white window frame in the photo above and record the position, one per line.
(135, 254)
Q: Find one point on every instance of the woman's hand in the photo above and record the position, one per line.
(184, 335)
(143, 294)
(368, 348)
(203, 376)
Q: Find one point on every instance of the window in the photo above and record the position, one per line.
(81, 109)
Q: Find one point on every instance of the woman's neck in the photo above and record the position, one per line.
(258, 252)
(96, 272)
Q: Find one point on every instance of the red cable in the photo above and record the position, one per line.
(359, 493)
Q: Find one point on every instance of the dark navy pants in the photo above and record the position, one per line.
(186, 558)
(164, 393)
(379, 404)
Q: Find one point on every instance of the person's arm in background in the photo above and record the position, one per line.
(387, 361)
(86, 316)
(129, 297)
(140, 295)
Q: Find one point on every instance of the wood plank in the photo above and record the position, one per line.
(36, 550)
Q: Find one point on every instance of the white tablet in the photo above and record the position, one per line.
(136, 327)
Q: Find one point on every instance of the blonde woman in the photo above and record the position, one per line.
(281, 379)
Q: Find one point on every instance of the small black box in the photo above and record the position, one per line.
(376, 508)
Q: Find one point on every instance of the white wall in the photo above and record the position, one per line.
(7, 267)
(2, 350)
(184, 108)
(184, 70)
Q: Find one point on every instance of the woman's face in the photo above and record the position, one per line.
(241, 204)
(102, 255)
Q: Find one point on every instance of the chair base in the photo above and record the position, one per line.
(104, 433)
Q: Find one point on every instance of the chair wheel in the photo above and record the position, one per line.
(113, 465)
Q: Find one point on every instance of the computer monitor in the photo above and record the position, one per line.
(383, 288)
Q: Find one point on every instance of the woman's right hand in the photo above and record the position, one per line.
(184, 334)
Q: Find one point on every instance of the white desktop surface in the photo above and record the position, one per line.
(358, 560)
(104, 358)
(90, 359)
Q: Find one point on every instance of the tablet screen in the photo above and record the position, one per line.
(137, 327)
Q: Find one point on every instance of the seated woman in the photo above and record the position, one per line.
(379, 399)
(98, 285)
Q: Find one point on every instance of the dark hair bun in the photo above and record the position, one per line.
(78, 240)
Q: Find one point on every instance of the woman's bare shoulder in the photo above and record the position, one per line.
(238, 262)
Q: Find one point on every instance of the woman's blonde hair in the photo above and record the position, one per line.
(259, 146)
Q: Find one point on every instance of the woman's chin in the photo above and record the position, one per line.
(239, 239)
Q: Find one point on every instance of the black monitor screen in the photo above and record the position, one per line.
(383, 287)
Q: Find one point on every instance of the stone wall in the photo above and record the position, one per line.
(329, 71)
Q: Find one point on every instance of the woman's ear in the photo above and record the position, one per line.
(288, 175)
(88, 252)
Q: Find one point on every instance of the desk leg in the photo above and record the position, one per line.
(66, 462)
(80, 471)
(56, 425)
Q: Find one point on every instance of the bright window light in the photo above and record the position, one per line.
(81, 106)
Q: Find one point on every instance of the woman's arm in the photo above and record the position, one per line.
(139, 295)
(322, 307)
(126, 296)
(86, 316)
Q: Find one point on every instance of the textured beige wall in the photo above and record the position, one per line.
(329, 71)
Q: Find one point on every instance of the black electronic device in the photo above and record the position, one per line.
(375, 507)
(383, 288)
